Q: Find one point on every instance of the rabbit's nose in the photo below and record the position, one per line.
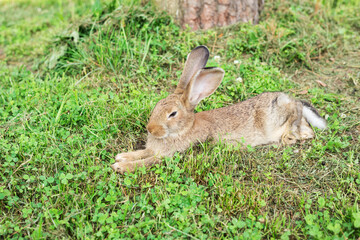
(156, 130)
(148, 128)
(151, 128)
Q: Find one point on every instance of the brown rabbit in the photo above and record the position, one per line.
(271, 117)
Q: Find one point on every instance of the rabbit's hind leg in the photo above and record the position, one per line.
(306, 131)
(293, 130)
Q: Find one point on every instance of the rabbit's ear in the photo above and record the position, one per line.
(195, 61)
(202, 85)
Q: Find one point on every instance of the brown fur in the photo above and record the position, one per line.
(271, 117)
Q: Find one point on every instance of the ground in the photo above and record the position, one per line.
(80, 78)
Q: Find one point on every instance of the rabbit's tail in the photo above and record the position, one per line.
(312, 116)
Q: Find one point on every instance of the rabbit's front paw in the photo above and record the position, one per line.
(122, 167)
(124, 157)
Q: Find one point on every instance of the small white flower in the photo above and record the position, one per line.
(327, 116)
(343, 115)
(217, 58)
(296, 150)
(239, 79)
(236, 61)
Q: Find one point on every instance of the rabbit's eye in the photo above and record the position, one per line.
(173, 114)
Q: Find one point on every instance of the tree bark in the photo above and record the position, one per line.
(205, 14)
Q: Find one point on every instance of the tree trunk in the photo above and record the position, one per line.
(205, 14)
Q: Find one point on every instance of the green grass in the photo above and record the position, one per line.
(78, 82)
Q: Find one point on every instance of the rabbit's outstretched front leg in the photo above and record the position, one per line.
(133, 156)
(122, 167)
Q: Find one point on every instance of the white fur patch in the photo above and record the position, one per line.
(313, 118)
(283, 100)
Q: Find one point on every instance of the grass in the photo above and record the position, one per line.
(78, 82)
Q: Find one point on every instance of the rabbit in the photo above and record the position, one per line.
(271, 117)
